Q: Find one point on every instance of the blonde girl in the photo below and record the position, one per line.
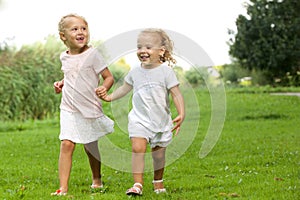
(81, 116)
(150, 118)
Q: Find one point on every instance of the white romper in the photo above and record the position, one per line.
(150, 116)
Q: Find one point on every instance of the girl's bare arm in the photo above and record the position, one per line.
(179, 104)
(117, 94)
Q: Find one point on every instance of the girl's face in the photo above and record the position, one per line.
(149, 49)
(75, 34)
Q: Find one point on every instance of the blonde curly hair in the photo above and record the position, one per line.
(166, 42)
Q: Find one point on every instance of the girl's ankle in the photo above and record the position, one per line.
(158, 184)
(63, 189)
(97, 182)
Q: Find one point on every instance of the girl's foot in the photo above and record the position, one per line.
(59, 192)
(97, 183)
(159, 186)
(97, 188)
(137, 189)
(94, 186)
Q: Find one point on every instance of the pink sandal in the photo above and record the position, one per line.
(135, 190)
(58, 193)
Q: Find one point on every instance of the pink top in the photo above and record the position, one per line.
(81, 77)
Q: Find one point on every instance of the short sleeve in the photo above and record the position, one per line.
(128, 78)
(171, 79)
(98, 62)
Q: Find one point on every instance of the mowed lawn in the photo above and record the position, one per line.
(257, 155)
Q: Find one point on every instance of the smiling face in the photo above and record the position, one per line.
(75, 34)
(149, 49)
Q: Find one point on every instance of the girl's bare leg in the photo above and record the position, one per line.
(158, 155)
(65, 163)
(139, 146)
(93, 154)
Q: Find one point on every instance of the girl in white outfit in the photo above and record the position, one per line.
(150, 118)
(81, 116)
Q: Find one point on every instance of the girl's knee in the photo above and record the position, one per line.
(91, 148)
(158, 154)
(138, 149)
(67, 145)
(139, 145)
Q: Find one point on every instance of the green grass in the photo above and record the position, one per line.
(256, 157)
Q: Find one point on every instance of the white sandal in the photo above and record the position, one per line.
(93, 186)
(160, 190)
(97, 188)
(135, 190)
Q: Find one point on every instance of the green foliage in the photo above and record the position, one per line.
(256, 157)
(268, 38)
(196, 75)
(119, 69)
(27, 76)
(231, 73)
(26, 81)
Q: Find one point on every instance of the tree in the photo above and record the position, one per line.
(268, 38)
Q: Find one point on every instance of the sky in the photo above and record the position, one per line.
(206, 22)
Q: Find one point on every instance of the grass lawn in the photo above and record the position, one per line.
(256, 157)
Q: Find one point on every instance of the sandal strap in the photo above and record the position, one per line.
(137, 184)
(158, 181)
(93, 186)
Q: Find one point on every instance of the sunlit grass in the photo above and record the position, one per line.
(256, 157)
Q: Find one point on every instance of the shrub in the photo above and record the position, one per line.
(26, 81)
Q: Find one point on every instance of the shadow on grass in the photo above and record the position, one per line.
(264, 117)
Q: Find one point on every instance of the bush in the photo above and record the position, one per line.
(26, 81)
(196, 76)
(233, 72)
(27, 76)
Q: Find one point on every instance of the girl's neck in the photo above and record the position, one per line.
(150, 66)
(76, 51)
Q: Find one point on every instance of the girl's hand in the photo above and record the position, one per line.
(178, 120)
(58, 85)
(101, 92)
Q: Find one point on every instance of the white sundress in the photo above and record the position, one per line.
(76, 128)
